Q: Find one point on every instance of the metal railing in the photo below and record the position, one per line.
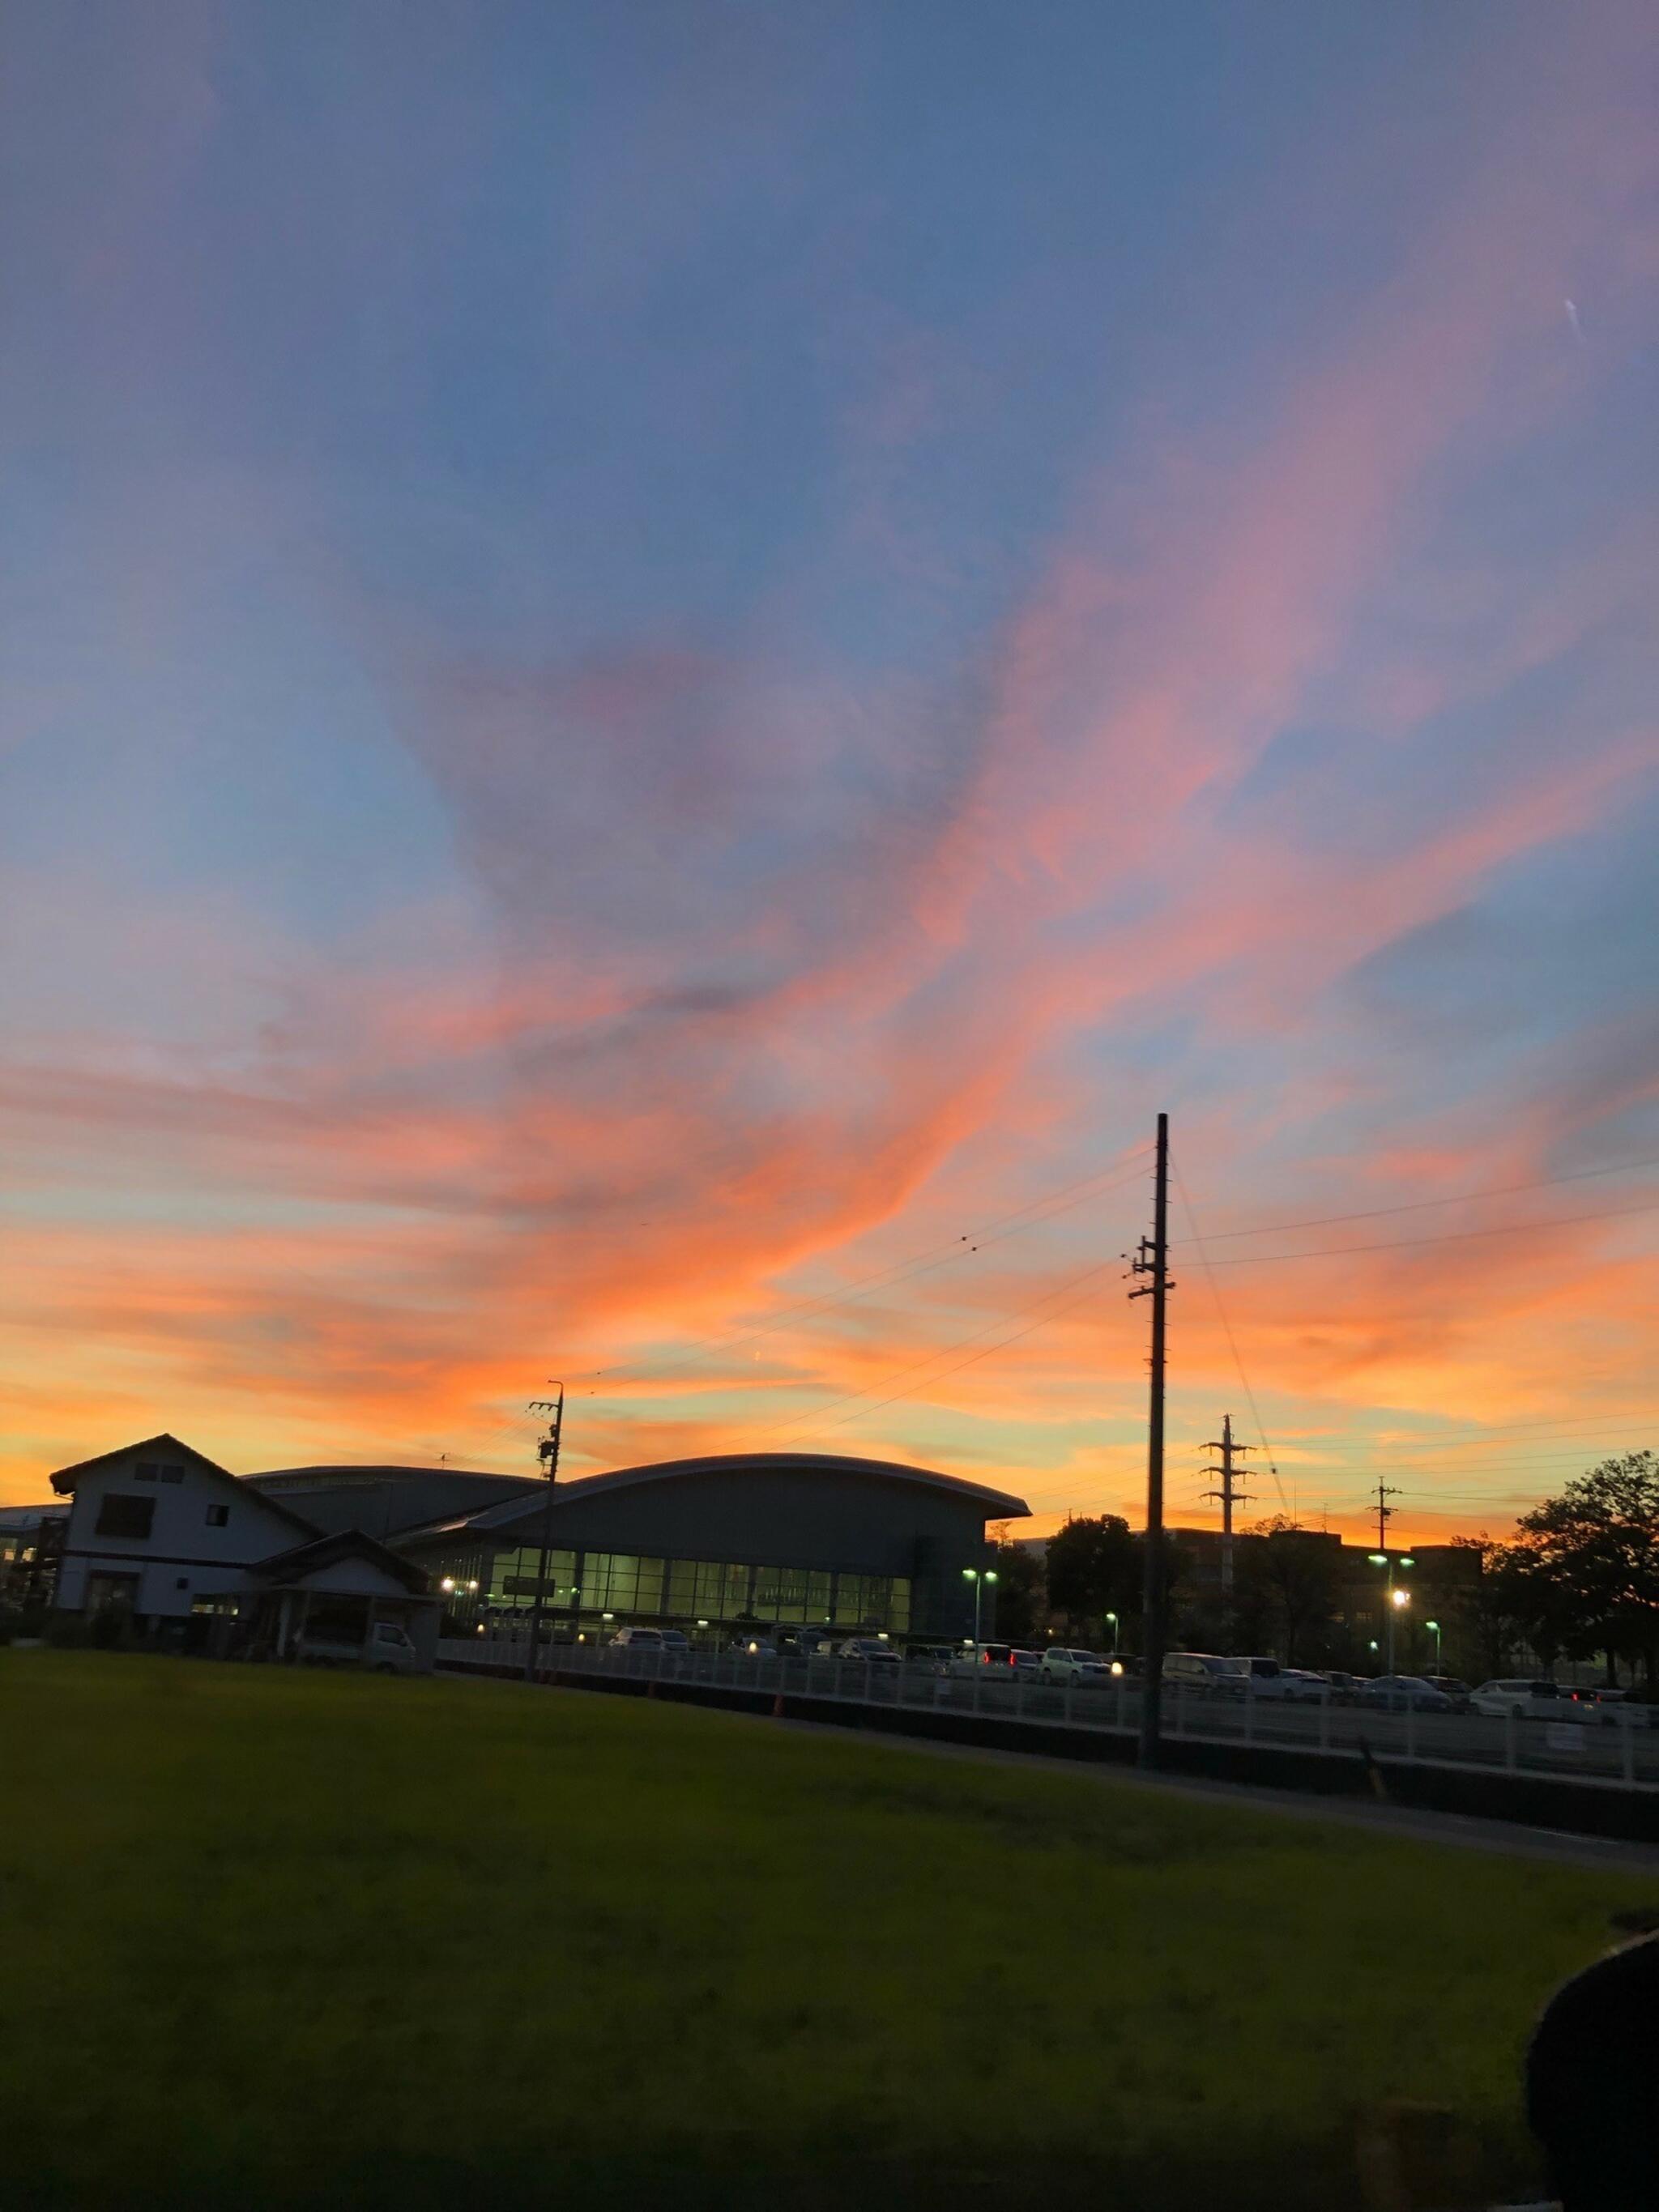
(1618, 1756)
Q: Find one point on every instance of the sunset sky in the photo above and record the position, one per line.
(666, 666)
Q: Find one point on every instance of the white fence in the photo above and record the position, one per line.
(1620, 1756)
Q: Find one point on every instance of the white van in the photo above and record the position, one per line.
(1205, 1671)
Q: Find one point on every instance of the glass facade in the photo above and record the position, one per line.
(587, 1585)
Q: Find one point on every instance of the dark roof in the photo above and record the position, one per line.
(15, 1517)
(64, 1480)
(998, 1505)
(337, 1474)
(349, 1543)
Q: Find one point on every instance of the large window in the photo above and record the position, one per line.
(587, 1585)
(121, 1514)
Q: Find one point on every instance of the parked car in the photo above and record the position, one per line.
(384, 1649)
(1606, 1708)
(638, 1639)
(675, 1644)
(1253, 1677)
(1401, 1693)
(1451, 1687)
(930, 1658)
(974, 1656)
(1303, 1688)
(1025, 1662)
(1344, 1688)
(755, 1647)
(870, 1649)
(1060, 1664)
(1528, 1701)
(1204, 1671)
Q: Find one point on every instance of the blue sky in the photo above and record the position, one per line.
(661, 657)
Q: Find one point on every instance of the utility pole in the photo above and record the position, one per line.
(1385, 1491)
(1230, 1496)
(1152, 1259)
(547, 1450)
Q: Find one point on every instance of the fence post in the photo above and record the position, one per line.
(1071, 1684)
(1411, 1726)
(1510, 1725)
(1325, 1718)
(1249, 1708)
(1628, 1731)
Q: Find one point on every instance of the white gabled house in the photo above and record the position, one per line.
(154, 1527)
(180, 1546)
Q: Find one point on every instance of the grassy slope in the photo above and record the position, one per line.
(286, 1939)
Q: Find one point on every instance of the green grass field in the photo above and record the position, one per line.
(300, 1939)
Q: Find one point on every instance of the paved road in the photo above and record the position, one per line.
(1616, 1757)
(1507, 1838)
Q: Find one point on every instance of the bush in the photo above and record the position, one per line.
(17, 1621)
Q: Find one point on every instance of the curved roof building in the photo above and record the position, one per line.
(728, 1540)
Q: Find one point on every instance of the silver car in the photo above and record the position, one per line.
(1062, 1665)
(1299, 1687)
(1404, 1693)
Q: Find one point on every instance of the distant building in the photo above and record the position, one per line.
(711, 1545)
(190, 1556)
(707, 1545)
(31, 1540)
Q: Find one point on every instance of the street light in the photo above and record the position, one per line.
(1434, 1626)
(1112, 1617)
(1398, 1601)
(979, 1579)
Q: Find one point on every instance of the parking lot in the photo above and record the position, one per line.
(1610, 1756)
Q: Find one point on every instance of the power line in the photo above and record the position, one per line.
(1397, 1465)
(1446, 1236)
(1452, 1440)
(814, 1420)
(1227, 1330)
(1417, 1204)
(996, 1231)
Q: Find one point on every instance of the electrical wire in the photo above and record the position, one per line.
(1227, 1330)
(915, 1366)
(996, 1231)
(1417, 1204)
(1445, 1236)
(1041, 1322)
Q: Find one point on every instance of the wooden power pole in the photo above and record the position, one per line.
(548, 1452)
(1153, 1261)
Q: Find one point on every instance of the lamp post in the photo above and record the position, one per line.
(1433, 1626)
(978, 1579)
(1396, 1599)
(1112, 1617)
